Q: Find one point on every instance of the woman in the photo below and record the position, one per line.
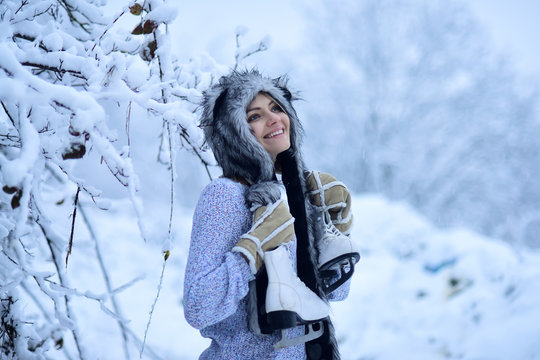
(251, 232)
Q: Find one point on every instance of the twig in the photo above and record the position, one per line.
(196, 152)
(56, 70)
(171, 159)
(48, 236)
(69, 9)
(31, 39)
(76, 181)
(45, 314)
(128, 284)
(155, 302)
(237, 53)
(106, 278)
(7, 113)
(149, 352)
(111, 292)
(23, 3)
(107, 29)
(35, 300)
(171, 169)
(128, 123)
(10, 140)
(76, 202)
(36, 14)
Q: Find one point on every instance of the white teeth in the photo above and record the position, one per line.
(278, 132)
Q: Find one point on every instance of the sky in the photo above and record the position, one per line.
(208, 25)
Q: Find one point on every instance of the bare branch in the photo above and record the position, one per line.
(57, 70)
(70, 10)
(106, 30)
(106, 278)
(8, 114)
(165, 257)
(75, 203)
(47, 233)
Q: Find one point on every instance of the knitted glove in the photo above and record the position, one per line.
(272, 224)
(332, 196)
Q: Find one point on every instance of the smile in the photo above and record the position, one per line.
(274, 133)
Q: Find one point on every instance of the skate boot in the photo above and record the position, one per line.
(337, 257)
(289, 302)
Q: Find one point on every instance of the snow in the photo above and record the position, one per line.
(470, 307)
(481, 305)
(163, 14)
(420, 291)
(18, 168)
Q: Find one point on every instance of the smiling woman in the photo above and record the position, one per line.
(269, 124)
(265, 255)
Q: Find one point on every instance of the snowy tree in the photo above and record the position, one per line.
(427, 113)
(72, 82)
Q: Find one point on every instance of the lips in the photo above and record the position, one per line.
(274, 133)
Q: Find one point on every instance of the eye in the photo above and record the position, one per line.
(253, 117)
(277, 108)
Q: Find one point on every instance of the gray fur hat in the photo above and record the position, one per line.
(227, 131)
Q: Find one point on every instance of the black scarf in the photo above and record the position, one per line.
(324, 347)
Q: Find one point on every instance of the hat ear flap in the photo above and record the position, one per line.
(281, 84)
(219, 105)
(286, 93)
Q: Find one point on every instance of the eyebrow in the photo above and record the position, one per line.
(258, 108)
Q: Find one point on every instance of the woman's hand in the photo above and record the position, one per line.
(272, 226)
(332, 196)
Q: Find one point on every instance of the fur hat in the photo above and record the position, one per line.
(227, 131)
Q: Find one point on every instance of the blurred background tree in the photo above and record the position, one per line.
(406, 99)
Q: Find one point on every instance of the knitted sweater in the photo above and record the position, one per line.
(216, 279)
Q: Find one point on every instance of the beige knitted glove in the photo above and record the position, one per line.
(333, 197)
(272, 226)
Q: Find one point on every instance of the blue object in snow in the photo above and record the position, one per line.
(434, 268)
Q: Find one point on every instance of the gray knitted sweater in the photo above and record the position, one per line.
(216, 279)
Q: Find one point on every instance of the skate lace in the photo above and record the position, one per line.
(297, 282)
(330, 232)
(331, 229)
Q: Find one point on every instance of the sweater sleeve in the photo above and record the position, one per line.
(341, 292)
(216, 279)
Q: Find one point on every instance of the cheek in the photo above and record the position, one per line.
(285, 119)
(287, 123)
(255, 130)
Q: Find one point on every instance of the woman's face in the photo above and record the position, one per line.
(269, 124)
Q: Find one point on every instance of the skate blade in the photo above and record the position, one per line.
(284, 319)
(336, 272)
(339, 262)
(315, 330)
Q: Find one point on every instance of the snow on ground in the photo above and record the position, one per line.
(424, 293)
(418, 293)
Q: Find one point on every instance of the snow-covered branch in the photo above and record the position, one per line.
(73, 85)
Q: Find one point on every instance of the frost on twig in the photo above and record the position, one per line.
(245, 51)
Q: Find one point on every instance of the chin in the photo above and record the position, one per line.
(277, 148)
(280, 149)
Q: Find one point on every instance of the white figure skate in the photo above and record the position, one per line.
(337, 257)
(289, 302)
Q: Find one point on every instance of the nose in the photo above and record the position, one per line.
(272, 119)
